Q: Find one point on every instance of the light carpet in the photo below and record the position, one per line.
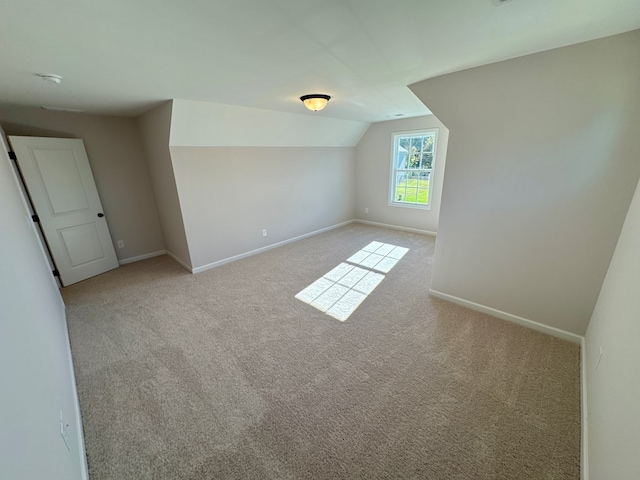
(225, 375)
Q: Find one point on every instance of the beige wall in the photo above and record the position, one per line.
(229, 194)
(35, 358)
(373, 167)
(541, 166)
(613, 387)
(155, 128)
(117, 160)
(239, 170)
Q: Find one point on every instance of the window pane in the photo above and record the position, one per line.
(424, 179)
(428, 143)
(400, 186)
(412, 187)
(415, 150)
(402, 158)
(423, 195)
(414, 196)
(416, 144)
(402, 193)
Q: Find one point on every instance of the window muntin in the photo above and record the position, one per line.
(412, 168)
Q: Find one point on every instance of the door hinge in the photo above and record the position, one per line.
(12, 155)
(56, 273)
(35, 218)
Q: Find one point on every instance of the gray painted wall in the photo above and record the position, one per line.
(613, 388)
(36, 374)
(229, 194)
(155, 128)
(118, 164)
(373, 169)
(239, 170)
(542, 163)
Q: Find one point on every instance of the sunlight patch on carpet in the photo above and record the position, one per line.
(339, 292)
(378, 256)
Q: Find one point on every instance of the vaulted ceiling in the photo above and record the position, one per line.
(124, 56)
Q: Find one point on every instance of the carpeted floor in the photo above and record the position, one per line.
(225, 375)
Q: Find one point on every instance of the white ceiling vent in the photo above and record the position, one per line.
(50, 77)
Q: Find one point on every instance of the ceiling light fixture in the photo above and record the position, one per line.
(315, 101)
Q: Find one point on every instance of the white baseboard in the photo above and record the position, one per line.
(188, 267)
(556, 332)
(396, 227)
(584, 447)
(82, 453)
(268, 247)
(124, 261)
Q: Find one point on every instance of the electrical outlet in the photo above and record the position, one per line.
(366, 210)
(264, 232)
(64, 431)
(120, 243)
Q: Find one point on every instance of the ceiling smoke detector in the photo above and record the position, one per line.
(50, 77)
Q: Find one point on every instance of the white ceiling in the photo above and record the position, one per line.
(124, 56)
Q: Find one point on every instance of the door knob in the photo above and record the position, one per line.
(101, 214)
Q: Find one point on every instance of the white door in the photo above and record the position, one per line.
(64, 195)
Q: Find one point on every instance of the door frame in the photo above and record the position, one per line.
(78, 245)
(34, 216)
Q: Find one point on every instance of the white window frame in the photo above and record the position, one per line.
(395, 139)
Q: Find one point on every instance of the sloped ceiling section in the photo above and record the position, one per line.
(123, 57)
(541, 167)
(203, 124)
(239, 170)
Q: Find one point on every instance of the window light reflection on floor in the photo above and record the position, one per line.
(339, 292)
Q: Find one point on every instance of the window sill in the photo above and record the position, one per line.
(410, 205)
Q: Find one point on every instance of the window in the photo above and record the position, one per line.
(411, 168)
